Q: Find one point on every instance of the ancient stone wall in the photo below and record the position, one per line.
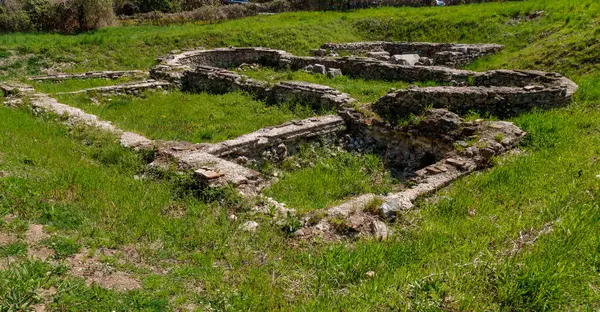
(220, 81)
(405, 147)
(495, 101)
(444, 54)
(91, 75)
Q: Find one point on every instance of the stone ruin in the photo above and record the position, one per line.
(418, 131)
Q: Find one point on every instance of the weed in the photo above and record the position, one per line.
(62, 246)
(292, 224)
(373, 205)
(499, 137)
(16, 249)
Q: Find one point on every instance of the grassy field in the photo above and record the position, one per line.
(188, 117)
(522, 236)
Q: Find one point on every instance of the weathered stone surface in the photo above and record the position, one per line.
(204, 165)
(333, 72)
(425, 61)
(319, 52)
(290, 134)
(91, 75)
(249, 226)
(133, 88)
(379, 55)
(446, 54)
(405, 59)
(319, 69)
(497, 101)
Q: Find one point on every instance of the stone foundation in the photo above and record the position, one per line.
(133, 88)
(496, 101)
(442, 54)
(429, 146)
(91, 75)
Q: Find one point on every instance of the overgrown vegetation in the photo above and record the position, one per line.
(479, 245)
(62, 16)
(318, 177)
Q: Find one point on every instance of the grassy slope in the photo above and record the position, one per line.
(453, 253)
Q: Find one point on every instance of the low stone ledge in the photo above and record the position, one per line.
(360, 216)
(445, 54)
(210, 170)
(496, 101)
(319, 97)
(221, 81)
(91, 75)
(495, 138)
(133, 88)
(291, 134)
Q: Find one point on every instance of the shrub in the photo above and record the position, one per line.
(68, 16)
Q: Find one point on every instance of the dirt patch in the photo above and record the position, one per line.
(7, 238)
(46, 296)
(35, 234)
(95, 272)
(527, 238)
(42, 253)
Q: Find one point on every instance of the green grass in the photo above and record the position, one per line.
(319, 178)
(455, 252)
(187, 116)
(71, 85)
(563, 39)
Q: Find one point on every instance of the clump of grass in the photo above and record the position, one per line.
(373, 205)
(499, 137)
(63, 246)
(15, 249)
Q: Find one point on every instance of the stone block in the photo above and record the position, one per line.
(405, 59)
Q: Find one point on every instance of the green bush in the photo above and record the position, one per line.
(67, 17)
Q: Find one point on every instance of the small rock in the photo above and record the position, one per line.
(232, 217)
(250, 226)
(405, 59)
(319, 52)
(3, 174)
(334, 72)
(391, 208)
(370, 274)
(379, 230)
(309, 68)
(426, 61)
(382, 56)
(319, 69)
